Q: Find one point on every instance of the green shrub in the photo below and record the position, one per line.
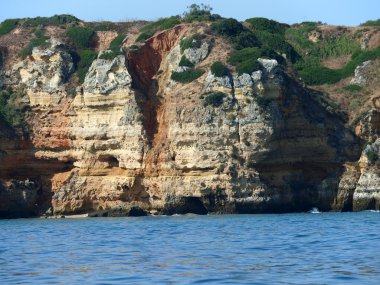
(278, 43)
(185, 62)
(55, 20)
(39, 41)
(219, 69)
(162, 24)
(314, 74)
(353, 88)
(375, 23)
(244, 40)
(262, 101)
(108, 55)
(80, 36)
(244, 54)
(195, 41)
(227, 27)
(11, 107)
(116, 43)
(298, 36)
(245, 60)
(271, 26)
(215, 99)
(144, 36)
(8, 25)
(372, 156)
(199, 13)
(86, 57)
(248, 66)
(187, 76)
(114, 48)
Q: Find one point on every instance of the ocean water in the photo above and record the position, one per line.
(326, 248)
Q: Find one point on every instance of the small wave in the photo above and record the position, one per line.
(314, 211)
(373, 211)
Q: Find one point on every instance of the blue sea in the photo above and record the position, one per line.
(325, 248)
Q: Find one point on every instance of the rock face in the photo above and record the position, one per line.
(367, 192)
(360, 71)
(46, 69)
(106, 75)
(132, 141)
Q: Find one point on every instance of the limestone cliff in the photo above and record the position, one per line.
(130, 136)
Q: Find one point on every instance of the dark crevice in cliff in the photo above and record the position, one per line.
(143, 65)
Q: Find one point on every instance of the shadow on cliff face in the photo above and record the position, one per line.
(307, 151)
(25, 181)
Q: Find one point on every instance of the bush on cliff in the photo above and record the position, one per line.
(313, 73)
(248, 66)
(185, 62)
(194, 41)
(219, 69)
(8, 25)
(80, 36)
(375, 23)
(11, 107)
(115, 48)
(187, 76)
(239, 36)
(372, 156)
(84, 61)
(267, 25)
(55, 20)
(39, 41)
(215, 99)
(199, 13)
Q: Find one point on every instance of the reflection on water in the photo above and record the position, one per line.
(329, 248)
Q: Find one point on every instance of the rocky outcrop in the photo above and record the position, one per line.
(360, 74)
(367, 191)
(46, 69)
(196, 55)
(107, 75)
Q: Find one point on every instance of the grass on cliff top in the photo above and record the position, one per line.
(39, 41)
(7, 26)
(114, 48)
(83, 62)
(313, 73)
(80, 36)
(56, 20)
(267, 25)
(375, 23)
(162, 24)
(187, 76)
(199, 13)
